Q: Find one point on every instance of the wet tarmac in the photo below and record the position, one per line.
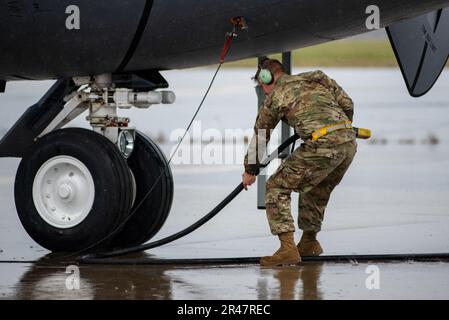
(394, 199)
(308, 281)
(241, 231)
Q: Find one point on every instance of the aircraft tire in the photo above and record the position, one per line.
(152, 175)
(73, 189)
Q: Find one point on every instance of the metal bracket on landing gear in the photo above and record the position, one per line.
(104, 100)
(65, 101)
(24, 132)
(76, 105)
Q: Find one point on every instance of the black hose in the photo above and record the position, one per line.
(93, 257)
(106, 258)
(173, 237)
(255, 260)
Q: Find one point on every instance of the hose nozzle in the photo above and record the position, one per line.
(362, 133)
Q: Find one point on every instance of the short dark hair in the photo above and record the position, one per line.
(273, 65)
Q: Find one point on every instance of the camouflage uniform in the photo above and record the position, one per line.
(307, 102)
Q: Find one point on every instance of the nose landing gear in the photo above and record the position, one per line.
(75, 187)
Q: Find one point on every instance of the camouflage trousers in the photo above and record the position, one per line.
(313, 173)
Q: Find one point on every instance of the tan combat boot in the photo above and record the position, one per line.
(309, 245)
(286, 255)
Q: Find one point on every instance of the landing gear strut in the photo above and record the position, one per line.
(74, 187)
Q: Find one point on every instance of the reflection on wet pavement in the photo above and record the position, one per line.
(168, 282)
(293, 283)
(309, 281)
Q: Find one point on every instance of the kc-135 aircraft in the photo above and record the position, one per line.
(74, 186)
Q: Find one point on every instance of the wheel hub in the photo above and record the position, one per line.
(63, 192)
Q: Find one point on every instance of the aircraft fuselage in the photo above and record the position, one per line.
(117, 36)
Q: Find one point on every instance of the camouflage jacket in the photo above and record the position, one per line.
(307, 102)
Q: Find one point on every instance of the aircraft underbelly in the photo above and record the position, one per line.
(35, 42)
(117, 35)
(195, 37)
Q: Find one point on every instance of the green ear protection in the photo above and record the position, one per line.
(266, 77)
